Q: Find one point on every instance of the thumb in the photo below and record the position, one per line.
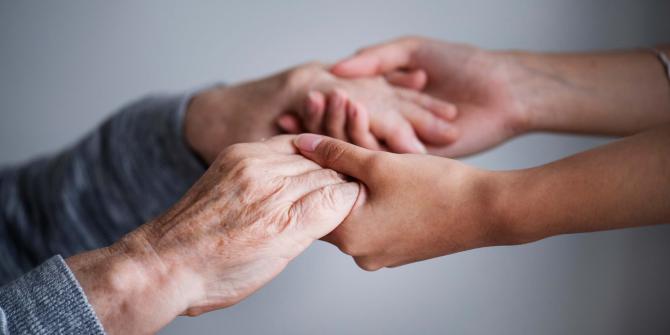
(414, 79)
(334, 154)
(379, 59)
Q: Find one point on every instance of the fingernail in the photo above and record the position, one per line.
(419, 146)
(307, 142)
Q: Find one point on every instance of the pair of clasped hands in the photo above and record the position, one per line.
(266, 198)
(366, 185)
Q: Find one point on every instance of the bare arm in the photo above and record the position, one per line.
(623, 184)
(501, 94)
(417, 207)
(612, 93)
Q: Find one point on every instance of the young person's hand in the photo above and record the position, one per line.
(500, 94)
(412, 207)
(371, 113)
(477, 82)
(252, 111)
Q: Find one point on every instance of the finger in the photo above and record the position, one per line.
(289, 124)
(441, 108)
(428, 127)
(379, 59)
(313, 111)
(281, 144)
(310, 181)
(322, 210)
(358, 126)
(334, 154)
(368, 263)
(401, 138)
(336, 116)
(291, 165)
(471, 142)
(285, 166)
(414, 79)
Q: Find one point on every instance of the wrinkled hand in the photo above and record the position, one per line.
(224, 115)
(479, 83)
(249, 111)
(257, 207)
(371, 113)
(413, 207)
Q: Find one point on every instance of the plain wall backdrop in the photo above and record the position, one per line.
(66, 65)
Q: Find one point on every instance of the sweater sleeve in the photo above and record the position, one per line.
(47, 300)
(127, 171)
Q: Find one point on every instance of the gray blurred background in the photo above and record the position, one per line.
(66, 65)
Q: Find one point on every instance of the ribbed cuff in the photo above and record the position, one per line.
(179, 147)
(47, 300)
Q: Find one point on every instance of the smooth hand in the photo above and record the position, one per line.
(479, 83)
(369, 112)
(413, 207)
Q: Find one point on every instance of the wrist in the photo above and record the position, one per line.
(526, 77)
(129, 287)
(511, 207)
(203, 124)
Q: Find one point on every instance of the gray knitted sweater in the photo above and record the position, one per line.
(127, 171)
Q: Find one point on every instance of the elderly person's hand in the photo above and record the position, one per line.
(250, 111)
(257, 207)
(374, 114)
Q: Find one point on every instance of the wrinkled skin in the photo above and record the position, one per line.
(250, 111)
(257, 207)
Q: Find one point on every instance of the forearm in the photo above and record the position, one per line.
(612, 93)
(130, 289)
(623, 184)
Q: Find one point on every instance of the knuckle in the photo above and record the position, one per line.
(399, 129)
(329, 197)
(347, 247)
(332, 174)
(332, 152)
(367, 263)
(332, 129)
(348, 242)
(233, 152)
(249, 164)
(375, 163)
(246, 171)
